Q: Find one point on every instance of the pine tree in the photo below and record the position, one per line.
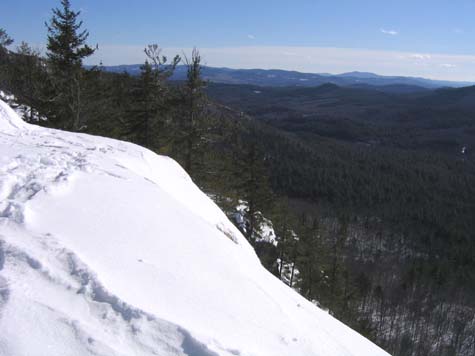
(194, 122)
(151, 98)
(66, 50)
(30, 82)
(283, 227)
(5, 41)
(253, 185)
(142, 124)
(310, 255)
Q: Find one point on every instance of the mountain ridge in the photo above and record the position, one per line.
(279, 77)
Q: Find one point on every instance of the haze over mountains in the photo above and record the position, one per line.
(276, 77)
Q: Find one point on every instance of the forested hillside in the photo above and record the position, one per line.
(371, 193)
(441, 121)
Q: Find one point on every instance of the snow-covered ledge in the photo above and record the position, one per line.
(109, 249)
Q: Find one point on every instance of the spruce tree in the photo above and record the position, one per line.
(66, 50)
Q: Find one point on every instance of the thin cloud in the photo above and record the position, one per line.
(458, 31)
(421, 57)
(448, 65)
(389, 32)
(251, 37)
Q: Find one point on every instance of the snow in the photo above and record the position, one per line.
(265, 231)
(109, 249)
(24, 111)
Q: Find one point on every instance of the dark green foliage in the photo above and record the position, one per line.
(439, 121)
(66, 50)
(30, 82)
(144, 120)
(149, 114)
(268, 255)
(194, 124)
(66, 42)
(252, 186)
(24, 73)
(5, 41)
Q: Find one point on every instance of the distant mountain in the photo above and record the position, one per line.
(275, 77)
(360, 75)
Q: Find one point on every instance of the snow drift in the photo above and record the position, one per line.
(109, 249)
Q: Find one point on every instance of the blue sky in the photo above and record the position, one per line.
(399, 37)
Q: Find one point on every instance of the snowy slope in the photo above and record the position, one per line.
(109, 249)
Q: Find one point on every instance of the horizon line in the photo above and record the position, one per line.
(322, 74)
